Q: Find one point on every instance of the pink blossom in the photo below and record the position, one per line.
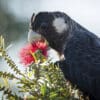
(26, 52)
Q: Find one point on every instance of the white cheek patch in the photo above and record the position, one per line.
(33, 36)
(60, 25)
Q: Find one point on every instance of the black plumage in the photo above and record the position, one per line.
(80, 47)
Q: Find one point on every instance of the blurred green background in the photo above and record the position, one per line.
(10, 26)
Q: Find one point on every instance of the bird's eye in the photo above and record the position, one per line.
(44, 25)
(65, 21)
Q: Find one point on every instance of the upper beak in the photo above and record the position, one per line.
(33, 36)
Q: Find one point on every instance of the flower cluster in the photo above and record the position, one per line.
(27, 53)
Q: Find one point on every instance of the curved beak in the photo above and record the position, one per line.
(33, 36)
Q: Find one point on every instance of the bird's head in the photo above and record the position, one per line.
(52, 26)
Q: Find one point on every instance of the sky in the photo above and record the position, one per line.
(85, 12)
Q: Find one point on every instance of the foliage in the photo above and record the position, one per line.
(41, 81)
(10, 95)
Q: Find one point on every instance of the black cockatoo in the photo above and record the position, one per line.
(81, 49)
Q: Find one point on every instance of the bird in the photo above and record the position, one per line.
(80, 47)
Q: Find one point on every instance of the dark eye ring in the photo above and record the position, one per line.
(44, 25)
(65, 21)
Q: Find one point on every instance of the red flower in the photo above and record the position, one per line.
(41, 45)
(26, 56)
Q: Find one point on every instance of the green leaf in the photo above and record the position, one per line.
(43, 89)
(53, 95)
